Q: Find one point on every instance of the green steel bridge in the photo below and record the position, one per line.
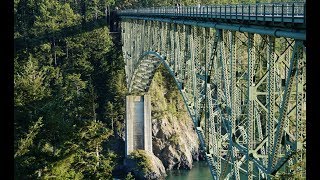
(241, 71)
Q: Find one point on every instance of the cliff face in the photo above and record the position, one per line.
(174, 141)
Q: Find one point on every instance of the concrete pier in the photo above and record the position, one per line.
(138, 123)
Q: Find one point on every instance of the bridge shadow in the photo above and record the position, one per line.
(33, 41)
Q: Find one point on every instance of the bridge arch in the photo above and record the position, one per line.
(143, 73)
(142, 77)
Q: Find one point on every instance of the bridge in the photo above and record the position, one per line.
(241, 71)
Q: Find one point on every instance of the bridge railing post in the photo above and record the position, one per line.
(242, 11)
(304, 13)
(282, 7)
(225, 12)
(196, 10)
(272, 11)
(236, 12)
(249, 12)
(176, 11)
(256, 12)
(292, 13)
(264, 12)
(202, 11)
(188, 11)
(214, 11)
(191, 11)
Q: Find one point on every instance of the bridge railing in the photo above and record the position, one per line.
(279, 12)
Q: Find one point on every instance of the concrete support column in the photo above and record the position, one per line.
(138, 123)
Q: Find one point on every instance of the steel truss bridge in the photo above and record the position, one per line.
(241, 70)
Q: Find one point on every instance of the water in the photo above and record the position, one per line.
(199, 171)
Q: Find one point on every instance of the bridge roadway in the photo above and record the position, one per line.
(241, 71)
(280, 20)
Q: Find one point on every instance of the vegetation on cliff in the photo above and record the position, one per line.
(143, 162)
(145, 165)
(174, 139)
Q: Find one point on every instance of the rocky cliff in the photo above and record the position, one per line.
(174, 140)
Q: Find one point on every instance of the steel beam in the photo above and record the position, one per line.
(277, 32)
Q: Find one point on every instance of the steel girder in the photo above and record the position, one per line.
(245, 92)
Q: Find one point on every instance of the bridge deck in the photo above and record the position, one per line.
(285, 15)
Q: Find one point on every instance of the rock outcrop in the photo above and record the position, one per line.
(175, 142)
(145, 165)
(174, 139)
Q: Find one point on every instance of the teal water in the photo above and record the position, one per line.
(199, 171)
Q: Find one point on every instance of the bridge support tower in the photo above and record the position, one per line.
(138, 123)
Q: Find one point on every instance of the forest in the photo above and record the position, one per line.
(69, 87)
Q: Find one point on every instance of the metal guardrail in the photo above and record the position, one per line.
(279, 12)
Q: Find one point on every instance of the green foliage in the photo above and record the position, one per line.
(157, 89)
(129, 176)
(62, 170)
(175, 139)
(91, 162)
(52, 16)
(30, 83)
(84, 157)
(143, 162)
(165, 96)
(25, 143)
(64, 79)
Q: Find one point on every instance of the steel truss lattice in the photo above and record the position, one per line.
(245, 92)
